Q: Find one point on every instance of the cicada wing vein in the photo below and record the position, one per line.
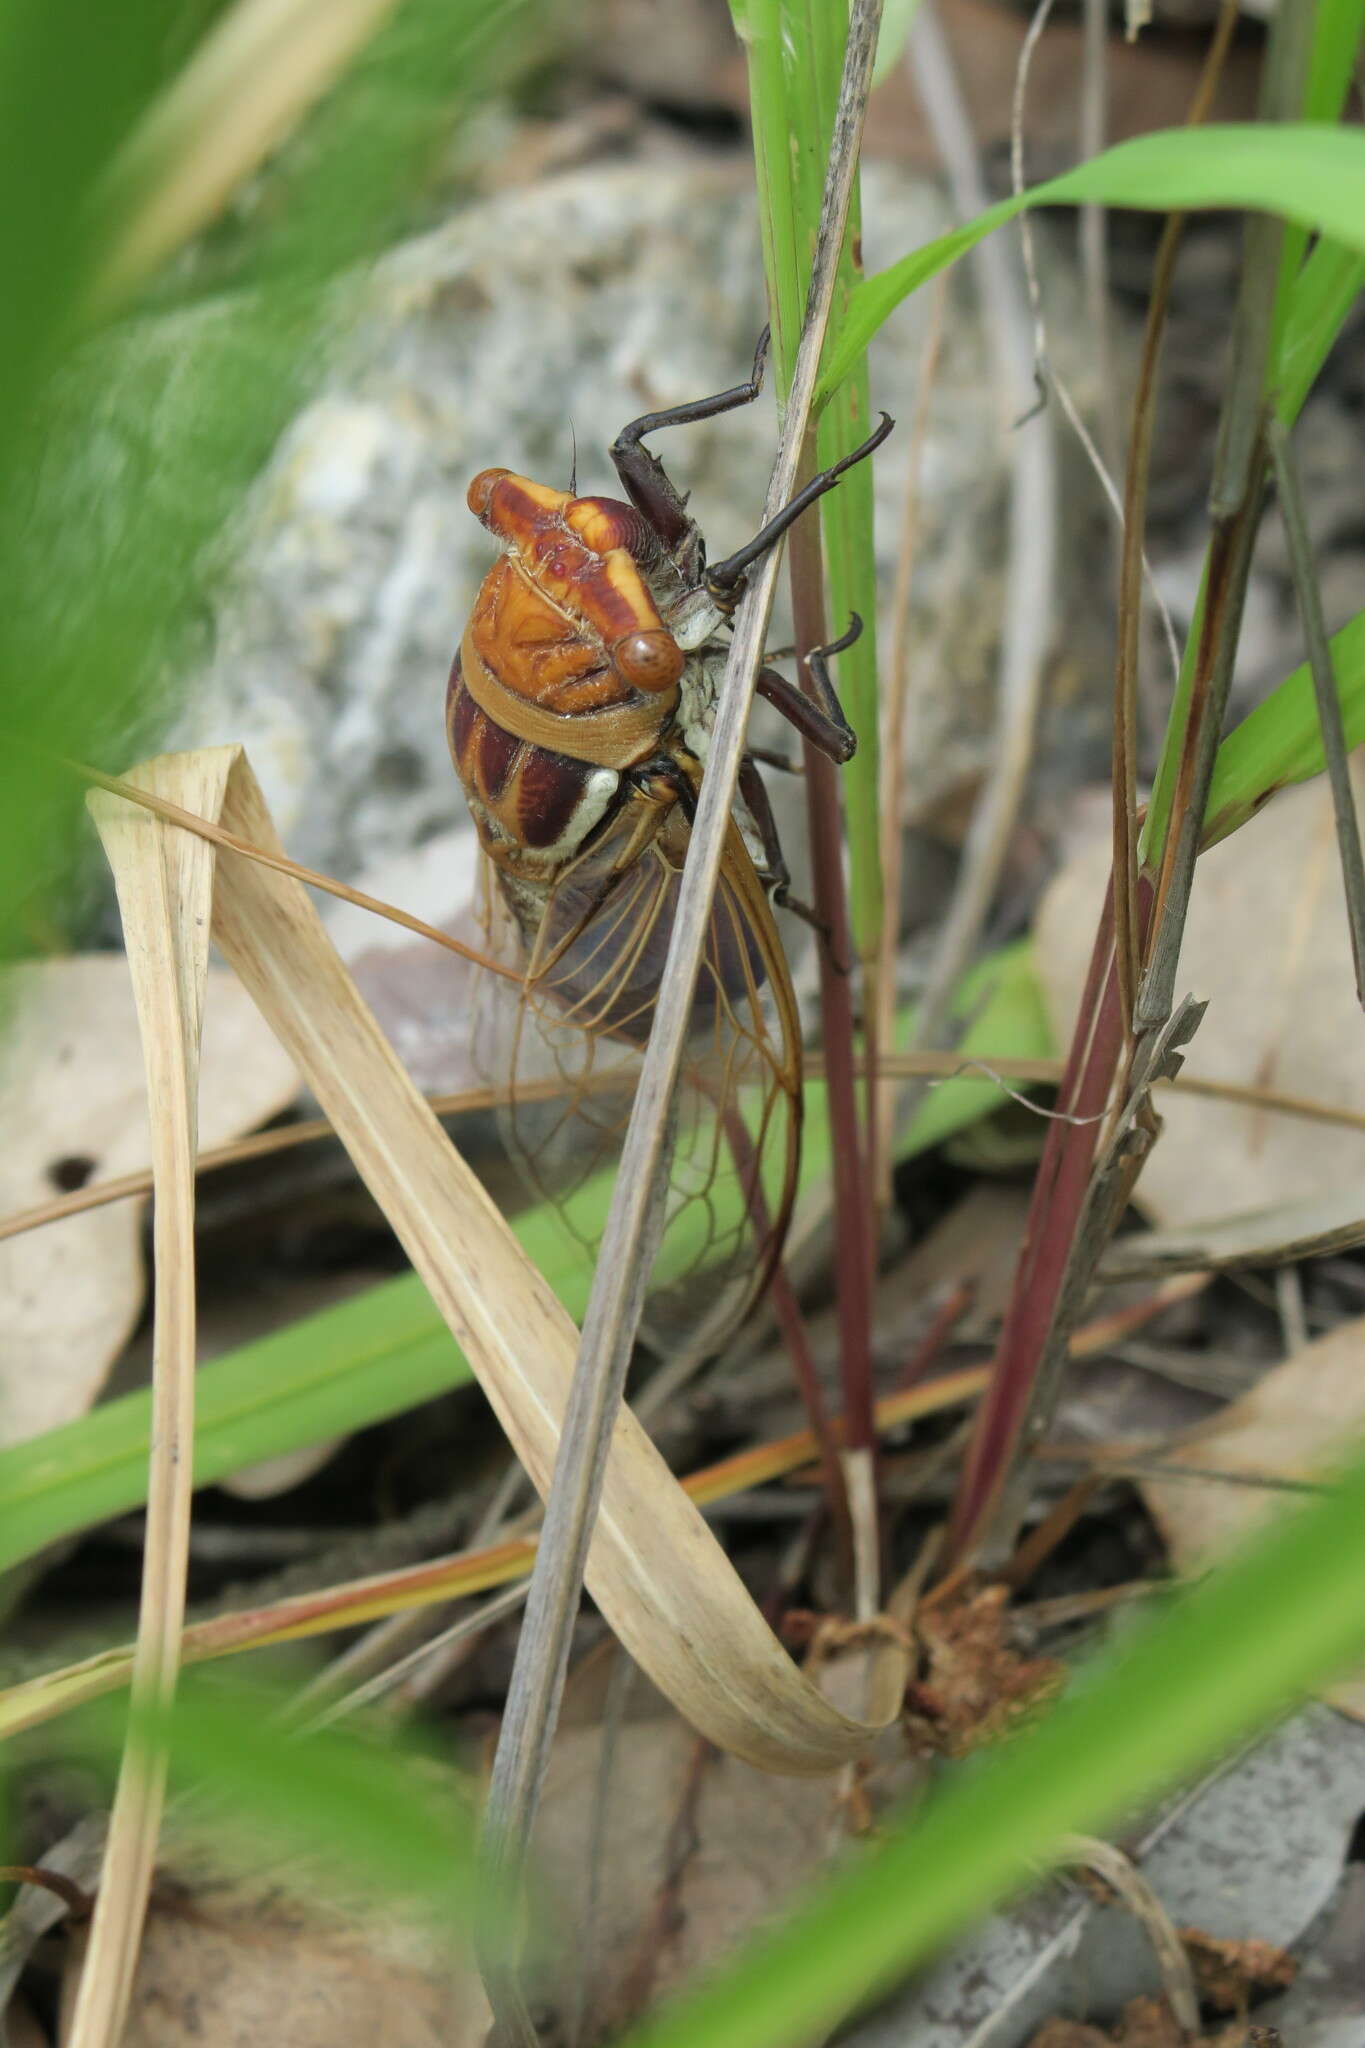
(563, 1050)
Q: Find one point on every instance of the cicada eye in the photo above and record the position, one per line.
(652, 661)
(480, 493)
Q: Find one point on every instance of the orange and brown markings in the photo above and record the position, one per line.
(525, 793)
(566, 619)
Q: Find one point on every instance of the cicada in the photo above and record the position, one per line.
(579, 715)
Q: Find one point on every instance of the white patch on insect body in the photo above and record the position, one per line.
(697, 696)
(599, 793)
(693, 619)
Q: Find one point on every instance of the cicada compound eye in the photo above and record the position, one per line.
(651, 661)
(480, 493)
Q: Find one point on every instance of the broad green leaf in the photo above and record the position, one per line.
(1219, 1663)
(1311, 173)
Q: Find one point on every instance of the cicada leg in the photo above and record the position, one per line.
(646, 481)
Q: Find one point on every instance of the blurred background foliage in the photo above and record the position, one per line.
(127, 441)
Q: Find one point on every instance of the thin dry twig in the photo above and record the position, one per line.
(1026, 627)
(1324, 690)
(374, 1688)
(896, 703)
(937, 1067)
(1236, 495)
(614, 1309)
(1133, 560)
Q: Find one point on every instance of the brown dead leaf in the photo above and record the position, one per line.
(1301, 1420)
(1228, 1972)
(696, 1850)
(1266, 943)
(227, 1964)
(73, 1109)
(974, 1684)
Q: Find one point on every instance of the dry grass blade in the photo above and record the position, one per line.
(656, 1572)
(254, 75)
(1132, 562)
(1288, 1231)
(936, 1066)
(165, 888)
(614, 1308)
(1122, 1875)
(1236, 493)
(442, 1579)
(1026, 627)
(1325, 691)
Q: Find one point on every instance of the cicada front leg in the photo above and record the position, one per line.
(647, 483)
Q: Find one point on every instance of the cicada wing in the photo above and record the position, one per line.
(563, 1049)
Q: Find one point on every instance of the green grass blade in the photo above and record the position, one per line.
(374, 1816)
(382, 1352)
(1280, 742)
(795, 56)
(1322, 295)
(1311, 173)
(386, 1350)
(1222, 1661)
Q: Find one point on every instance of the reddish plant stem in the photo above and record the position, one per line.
(1059, 1193)
(852, 1209)
(796, 1337)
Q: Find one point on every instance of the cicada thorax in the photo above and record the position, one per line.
(566, 713)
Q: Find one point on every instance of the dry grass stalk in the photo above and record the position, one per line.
(165, 889)
(614, 1308)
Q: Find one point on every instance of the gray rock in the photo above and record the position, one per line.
(1255, 1851)
(535, 319)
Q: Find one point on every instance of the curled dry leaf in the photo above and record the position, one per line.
(73, 1108)
(656, 1572)
(1300, 1421)
(1266, 943)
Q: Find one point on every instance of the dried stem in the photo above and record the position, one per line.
(1325, 691)
(1131, 558)
(614, 1309)
(1072, 1212)
(1027, 623)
